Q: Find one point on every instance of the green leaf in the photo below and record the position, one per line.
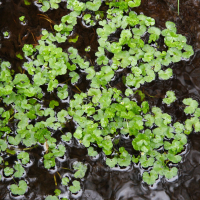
(174, 158)
(141, 143)
(50, 197)
(188, 51)
(145, 107)
(128, 92)
(57, 192)
(27, 3)
(39, 79)
(46, 6)
(111, 162)
(74, 76)
(150, 179)
(14, 140)
(76, 187)
(96, 93)
(170, 173)
(92, 152)
(170, 97)
(150, 120)
(81, 169)
(24, 156)
(124, 159)
(74, 40)
(93, 6)
(149, 21)
(3, 145)
(134, 3)
(61, 116)
(8, 171)
(52, 84)
(171, 26)
(146, 162)
(134, 159)
(191, 105)
(19, 190)
(78, 133)
(58, 27)
(53, 103)
(91, 72)
(65, 181)
(67, 137)
(62, 92)
(19, 171)
(165, 75)
(154, 34)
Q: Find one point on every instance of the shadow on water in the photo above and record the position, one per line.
(101, 183)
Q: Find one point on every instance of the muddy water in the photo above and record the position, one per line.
(100, 182)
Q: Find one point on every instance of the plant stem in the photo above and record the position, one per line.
(178, 7)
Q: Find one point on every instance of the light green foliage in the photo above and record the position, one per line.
(101, 114)
(76, 187)
(81, 169)
(6, 34)
(127, 116)
(20, 189)
(61, 116)
(65, 181)
(111, 162)
(74, 76)
(165, 74)
(28, 49)
(170, 97)
(62, 92)
(124, 159)
(88, 20)
(19, 170)
(74, 40)
(128, 92)
(22, 18)
(27, 3)
(57, 192)
(191, 105)
(24, 156)
(87, 49)
(67, 137)
(50, 197)
(8, 171)
(92, 152)
(53, 103)
(94, 6)
(49, 4)
(150, 178)
(3, 145)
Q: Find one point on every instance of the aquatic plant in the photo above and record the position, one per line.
(102, 115)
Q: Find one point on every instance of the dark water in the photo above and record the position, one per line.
(101, 183)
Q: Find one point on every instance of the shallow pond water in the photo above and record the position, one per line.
(100, 182)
